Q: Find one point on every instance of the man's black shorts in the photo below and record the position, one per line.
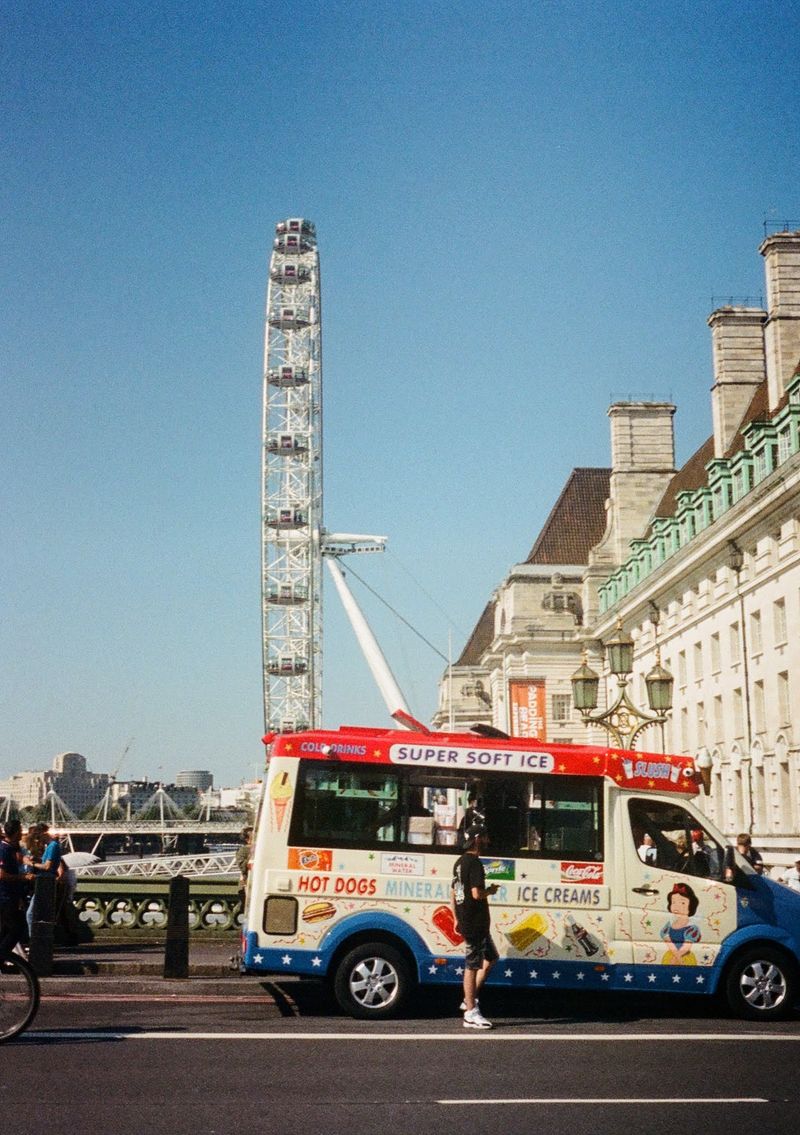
(479, 950)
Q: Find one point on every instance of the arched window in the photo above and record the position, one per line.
(734, 797)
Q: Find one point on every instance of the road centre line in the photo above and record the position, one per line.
(625, 1100)
(485, 1038)
(164, 998)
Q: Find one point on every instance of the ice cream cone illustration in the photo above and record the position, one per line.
(280, 794)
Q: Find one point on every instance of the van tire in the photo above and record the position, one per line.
(372, 981)
(761, 984)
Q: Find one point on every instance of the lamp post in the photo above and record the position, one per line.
(623, 720)
(736, 563)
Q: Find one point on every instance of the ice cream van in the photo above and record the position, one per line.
(609, 875)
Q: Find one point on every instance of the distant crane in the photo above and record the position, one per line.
(104, 805)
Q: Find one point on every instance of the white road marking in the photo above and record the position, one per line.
(468, 1038)
(625, 1100)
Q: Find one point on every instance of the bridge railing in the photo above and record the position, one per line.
(138, 907)
(222, 863)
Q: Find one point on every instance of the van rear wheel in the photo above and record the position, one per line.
(761, 984)
(372, 981)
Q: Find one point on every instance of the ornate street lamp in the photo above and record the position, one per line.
(623, 720)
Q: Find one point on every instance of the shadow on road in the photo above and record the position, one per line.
(313, 999)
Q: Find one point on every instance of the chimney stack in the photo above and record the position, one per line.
(642, 464)
(737, 339)
(781, 252)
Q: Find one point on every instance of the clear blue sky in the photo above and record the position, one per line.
(522, 208)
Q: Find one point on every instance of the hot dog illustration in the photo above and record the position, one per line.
(318, 911)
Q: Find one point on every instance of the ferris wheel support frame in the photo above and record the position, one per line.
(291, 480)
(293, 540)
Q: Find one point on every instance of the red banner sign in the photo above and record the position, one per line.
(528, 709)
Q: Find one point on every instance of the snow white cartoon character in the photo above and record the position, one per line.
(680, 933)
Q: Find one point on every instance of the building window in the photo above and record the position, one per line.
(701, 725)
(561, 707)
(716, 664)
(718, 728)
(759, 707)
(738, 713)
(735, 644)
(682, 667)
(779, 621)
(684, 730)
(784, 705)
(698, 661)
(756, 644)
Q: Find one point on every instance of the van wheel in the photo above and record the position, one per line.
(372, 981)
(761, 985)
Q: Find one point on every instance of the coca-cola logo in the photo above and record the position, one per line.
(581, 872)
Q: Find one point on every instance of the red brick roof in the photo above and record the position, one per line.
(577, 520)
(575, 524)
(480, 639)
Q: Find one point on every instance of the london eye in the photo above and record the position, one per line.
(291, 587)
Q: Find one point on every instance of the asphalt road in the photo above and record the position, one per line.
(214, 1056)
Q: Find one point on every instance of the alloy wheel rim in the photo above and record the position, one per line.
(374, 983)
(763, 985)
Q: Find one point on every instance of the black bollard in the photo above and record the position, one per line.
(176, 949)
(44, 910)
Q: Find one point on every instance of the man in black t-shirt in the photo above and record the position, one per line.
(471, 908)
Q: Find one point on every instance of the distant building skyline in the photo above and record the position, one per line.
(80, 788)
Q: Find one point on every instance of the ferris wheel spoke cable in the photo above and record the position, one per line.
(453, 622)
(397, 614)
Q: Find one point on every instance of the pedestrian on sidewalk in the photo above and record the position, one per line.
(791, 877)
(32, 850)
(14, 883)
(471, 908)
(242, 857)
(744, 845)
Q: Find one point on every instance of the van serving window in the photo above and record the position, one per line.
(352, 805)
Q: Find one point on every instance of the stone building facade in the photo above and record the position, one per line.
(69, 778)
(700, 564)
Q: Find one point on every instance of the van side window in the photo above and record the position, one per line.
(544, 817)
(667, 836)
(349, 805)
(346, 806)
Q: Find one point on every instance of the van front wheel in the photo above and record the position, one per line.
(761, 985)
(372, 981)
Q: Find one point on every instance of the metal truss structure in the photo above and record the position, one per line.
(291, 585)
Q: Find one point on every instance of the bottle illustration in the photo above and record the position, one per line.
(581, 936)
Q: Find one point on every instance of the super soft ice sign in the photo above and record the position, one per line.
(434, 756)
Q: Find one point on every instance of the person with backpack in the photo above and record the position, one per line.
(471, 908)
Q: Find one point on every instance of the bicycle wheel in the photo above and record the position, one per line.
(19, 995)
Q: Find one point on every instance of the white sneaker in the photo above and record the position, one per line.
(463, 1005)
(474, 1019)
